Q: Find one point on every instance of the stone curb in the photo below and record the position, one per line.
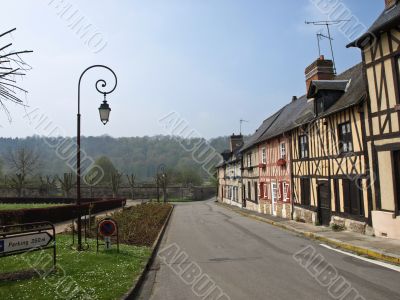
(372, 253)
(138, 282)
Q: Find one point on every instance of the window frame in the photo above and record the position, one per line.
(345, 138)
(264, 155)
(303, 147)
(282, 150)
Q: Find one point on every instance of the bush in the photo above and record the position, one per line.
(55, 214)
(141, 224)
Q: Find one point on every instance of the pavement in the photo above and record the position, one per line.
(380, 248)
(249, 259)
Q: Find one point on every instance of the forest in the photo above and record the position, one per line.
(140, 156)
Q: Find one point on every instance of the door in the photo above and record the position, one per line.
(396, 159)
(244, 195)
(256, 192)
(274, 195)
(324, 203)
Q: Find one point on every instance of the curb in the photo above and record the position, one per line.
(138, 282)
(374, 254)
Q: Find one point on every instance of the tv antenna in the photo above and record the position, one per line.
(241, 122)
(329, 37)
(321, 36)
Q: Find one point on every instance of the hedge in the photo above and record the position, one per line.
(56, 214)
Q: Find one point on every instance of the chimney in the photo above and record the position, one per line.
(294, 98)
(236, 142)
(390, 3)
(321, 69)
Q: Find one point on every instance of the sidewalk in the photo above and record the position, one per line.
(375, 247)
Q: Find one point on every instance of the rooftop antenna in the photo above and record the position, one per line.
(241, 122)
(328, 24)
(321, 36)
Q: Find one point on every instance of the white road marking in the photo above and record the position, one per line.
(375, 262)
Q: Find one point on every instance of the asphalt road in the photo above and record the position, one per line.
(248, 259)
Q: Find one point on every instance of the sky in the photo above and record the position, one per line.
(212, 62)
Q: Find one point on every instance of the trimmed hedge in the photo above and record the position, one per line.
(48, 200)
(56, 214)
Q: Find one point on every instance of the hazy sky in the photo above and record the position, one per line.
(212, 61)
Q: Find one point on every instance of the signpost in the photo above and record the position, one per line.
(107, 228)
(19, 239)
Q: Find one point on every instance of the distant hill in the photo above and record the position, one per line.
(139, 155)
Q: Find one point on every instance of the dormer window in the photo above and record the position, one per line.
(326, 92)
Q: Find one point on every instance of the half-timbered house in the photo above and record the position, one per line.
(328, 149)
(229, 173)
(251, 168)
(380, 48)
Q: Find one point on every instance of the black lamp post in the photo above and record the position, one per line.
(104, 111)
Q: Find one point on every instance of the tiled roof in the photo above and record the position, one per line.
(387, 18)
(301, 111)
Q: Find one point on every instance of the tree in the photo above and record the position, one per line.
(48, 183)
(23, 162)
(132, 181)
(108, 168)
(11, 66)
(116, 179)
(66, 184)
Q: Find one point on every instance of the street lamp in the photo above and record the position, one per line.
(104, 111)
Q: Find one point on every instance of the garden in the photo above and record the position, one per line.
(107, 274)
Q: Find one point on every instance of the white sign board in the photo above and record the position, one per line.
(24, 242)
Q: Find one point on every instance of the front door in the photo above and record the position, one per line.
(396, 158)
(244, 195)
(324, 203)
(274, 194)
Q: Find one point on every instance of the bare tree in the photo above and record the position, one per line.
(23, 161)
(11, 67)
(116, 179)
(132, 181)
(67, 184)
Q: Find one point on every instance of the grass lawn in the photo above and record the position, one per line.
(14, 206)
(83, 275)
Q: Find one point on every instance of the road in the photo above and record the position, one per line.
(249, 259)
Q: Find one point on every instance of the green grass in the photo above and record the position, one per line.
(16, 206)
(103, 275)
(184, 199)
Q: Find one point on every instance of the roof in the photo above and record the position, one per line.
(330, 85)
(260, 131)
(387, 18)
(301, 111)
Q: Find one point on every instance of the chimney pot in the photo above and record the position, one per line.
(390, 3)
(321, 69)
(294, 98)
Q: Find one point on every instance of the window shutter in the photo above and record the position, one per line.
(280, 191)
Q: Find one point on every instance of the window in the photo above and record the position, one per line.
(345, 138)
(352, 197)
(303, 146)
(283, 150)
(337, 197)
(274, 191)
(305, 191)
(264, 156)
(248, 191)
(320, 107)
(249, 160)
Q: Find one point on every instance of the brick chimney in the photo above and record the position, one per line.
(390, 3)
(236, 142)
(321, 69)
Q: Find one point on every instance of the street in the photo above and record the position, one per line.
(249, 259)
